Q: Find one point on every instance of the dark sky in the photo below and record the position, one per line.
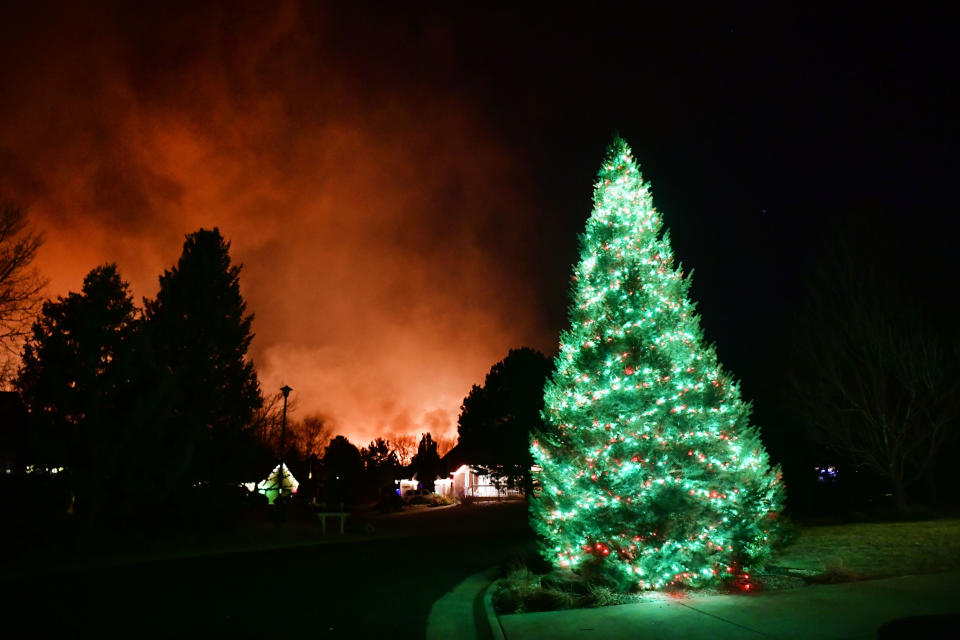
(404, 187)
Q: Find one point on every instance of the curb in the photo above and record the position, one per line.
(466, 611)
(493, 620)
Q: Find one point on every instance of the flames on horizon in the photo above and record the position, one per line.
(372, 220)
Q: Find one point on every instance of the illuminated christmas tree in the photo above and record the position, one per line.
(650, 473)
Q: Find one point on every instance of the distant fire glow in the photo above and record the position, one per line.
(374, 233)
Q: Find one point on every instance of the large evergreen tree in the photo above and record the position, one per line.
(650, 473)
(426, 462)
(72, 378)
(342, 467)
(496, 420)
(378, 456)
(201, 332)
(99, 404)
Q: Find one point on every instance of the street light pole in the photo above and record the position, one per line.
(285, 390)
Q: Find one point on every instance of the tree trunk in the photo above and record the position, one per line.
(899, 493)
(930, 475)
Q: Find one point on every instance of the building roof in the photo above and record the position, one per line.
(461, 455)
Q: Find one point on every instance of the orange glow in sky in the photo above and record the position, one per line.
(370, 224)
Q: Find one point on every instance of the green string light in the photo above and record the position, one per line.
(649, 470)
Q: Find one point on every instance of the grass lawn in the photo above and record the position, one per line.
(816, 554)
(874, 550)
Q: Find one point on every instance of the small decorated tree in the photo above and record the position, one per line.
(648, 472)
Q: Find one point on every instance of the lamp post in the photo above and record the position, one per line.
(285, 390)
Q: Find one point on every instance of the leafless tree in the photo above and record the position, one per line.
(313, 434)
(307, 436)
(872, 382)
(444, 444)
(20, 283)
(405, 446)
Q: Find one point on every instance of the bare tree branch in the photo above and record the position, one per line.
(873, 383)
(20, 283)
(405, 446)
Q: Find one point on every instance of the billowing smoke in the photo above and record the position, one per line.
(372, 213)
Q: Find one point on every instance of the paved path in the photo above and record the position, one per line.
(372, 588)
(465, 612)
(849, 611)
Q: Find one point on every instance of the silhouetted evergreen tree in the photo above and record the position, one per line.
(157, 452)
(426, 462)
(378, 455)
(380, 466)
(200, 332)
(497, 419)
(342, 466)
(72, 379)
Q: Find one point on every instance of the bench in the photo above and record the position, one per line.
(323, 515)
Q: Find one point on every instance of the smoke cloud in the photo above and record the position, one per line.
(373, 211)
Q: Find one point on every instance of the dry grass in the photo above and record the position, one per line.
(820, 554)
(521, 591)
(837, 553)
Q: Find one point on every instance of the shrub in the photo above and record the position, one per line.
(430, 499)
(603, 596)
(437, 500)
(834, 572)
(542, 599)
(529, 559)
(523, 590)
(515, 590)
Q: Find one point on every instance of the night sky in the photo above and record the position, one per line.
(405, 187)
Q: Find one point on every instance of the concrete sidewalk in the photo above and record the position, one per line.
(851, 610)
(465, 612)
